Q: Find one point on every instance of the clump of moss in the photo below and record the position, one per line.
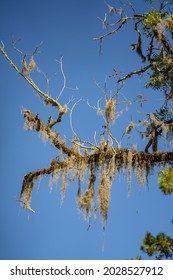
(110, 110)
(85, 201)
(104, 192)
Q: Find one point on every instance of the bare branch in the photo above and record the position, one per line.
(64, 77)
(137, 72)
(71, 112)
(19, 51)
(92, 146)
(47, 80)
(131, 6)
(14, 45)
(95, 138)
(2, 43)
(123, 21)
(116, 141)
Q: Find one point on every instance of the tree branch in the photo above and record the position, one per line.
(123, 21)
(137, 72)
(34, 121)
(48, 99)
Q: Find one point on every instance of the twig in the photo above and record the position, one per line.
(18, 50)
(71, 112)
(2, 43)
(131, 6)
(95, 138)
(137, 72)
(123, 21)
(64, 77)
(116, 141)
(47, 80)
(93, 147)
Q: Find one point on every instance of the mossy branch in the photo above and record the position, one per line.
(109, 160)
(30, 178)
(33, 121)
(47, 98)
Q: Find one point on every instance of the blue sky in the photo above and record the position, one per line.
(67, 28)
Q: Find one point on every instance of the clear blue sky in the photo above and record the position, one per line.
(67, 28)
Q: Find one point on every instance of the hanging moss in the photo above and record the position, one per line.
(85, 201)
(104, 193)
